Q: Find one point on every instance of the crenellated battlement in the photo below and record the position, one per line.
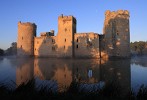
(118, 13)
(67, 18)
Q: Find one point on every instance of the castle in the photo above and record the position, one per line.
(114, 42)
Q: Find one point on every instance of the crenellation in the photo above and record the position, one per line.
(118, 13)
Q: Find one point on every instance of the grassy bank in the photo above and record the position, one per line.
(28, 91)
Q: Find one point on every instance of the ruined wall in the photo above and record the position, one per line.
(25, 39)
(103, 52)
(86, 45)
(117, 33)
(65, 35)
(45, 46)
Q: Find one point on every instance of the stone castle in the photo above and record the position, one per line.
(114, 42)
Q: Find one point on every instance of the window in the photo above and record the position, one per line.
(53, 48)
(65, 39)
(37, 42)
(35, 49)
(64, 46)
(117, 32)
(117, 54)
(44, 41)
(77, 46)
(21, 46)
(65, 29)
(77, 40)
(64, 75)
(22, 38)
(53, 41)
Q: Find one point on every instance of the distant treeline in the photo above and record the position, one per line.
(12, 50)
(138, 48)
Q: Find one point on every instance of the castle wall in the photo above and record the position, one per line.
(86, 45)
(115, 40)
(25, 39)
(117, 33)
(45, 46)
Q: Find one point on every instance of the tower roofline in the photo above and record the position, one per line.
(27, 23)
(65, 16)
(118, 12)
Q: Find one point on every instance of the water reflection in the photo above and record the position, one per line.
(142, 61)
(138, 72)
(63, 72)
(118, 71)
(24, 70)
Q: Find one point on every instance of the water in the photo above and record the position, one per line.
(59, 73)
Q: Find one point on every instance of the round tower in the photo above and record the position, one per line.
(25, 39)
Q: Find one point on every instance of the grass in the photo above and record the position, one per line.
(28, 91)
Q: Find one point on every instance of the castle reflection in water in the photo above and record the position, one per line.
(64, 71)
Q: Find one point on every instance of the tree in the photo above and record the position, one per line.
(141, 46)
(12, 50)
(1, 52)
(138, 47)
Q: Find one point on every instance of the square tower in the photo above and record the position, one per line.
(66, 30)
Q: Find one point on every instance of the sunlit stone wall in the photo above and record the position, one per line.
(87, 45)
(45, 46)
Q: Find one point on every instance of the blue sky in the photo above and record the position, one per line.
(89, 15)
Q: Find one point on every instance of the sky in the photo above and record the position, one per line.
(90, 15)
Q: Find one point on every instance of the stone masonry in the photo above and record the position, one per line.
(114, 42)
(117, 33)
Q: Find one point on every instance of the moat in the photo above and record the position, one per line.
(60, 73)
